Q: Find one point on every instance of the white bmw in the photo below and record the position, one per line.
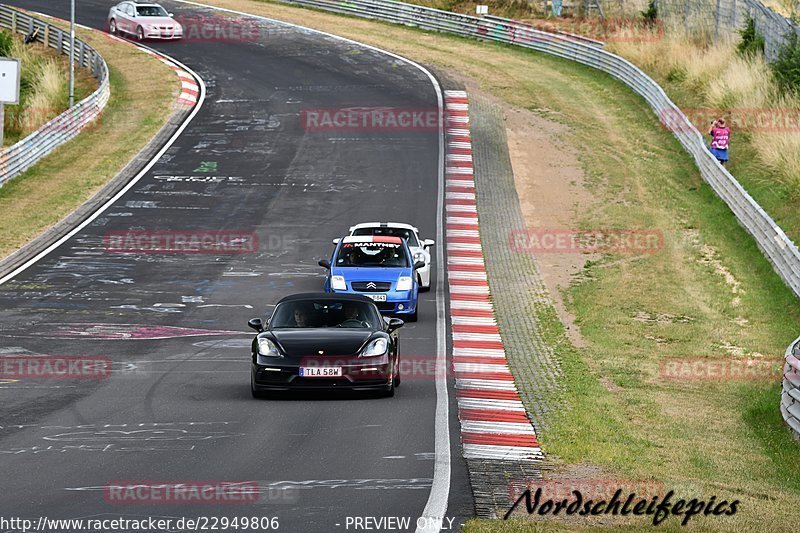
(143, 20)
(420, 249)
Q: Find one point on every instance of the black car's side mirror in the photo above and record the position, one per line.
(419, 264)
(324, 263)
(395, 323)
(257, 324)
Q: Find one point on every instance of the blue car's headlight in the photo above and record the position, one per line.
(266, 349)
(338, 283)
(376, 347)
(404, 283)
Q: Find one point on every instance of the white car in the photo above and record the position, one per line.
(144, 20)
(419, 248)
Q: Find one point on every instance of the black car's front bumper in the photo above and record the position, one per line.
(360, 374)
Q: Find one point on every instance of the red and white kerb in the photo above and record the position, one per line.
(494, 423)
(190, 91)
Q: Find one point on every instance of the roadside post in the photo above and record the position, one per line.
(72, 53)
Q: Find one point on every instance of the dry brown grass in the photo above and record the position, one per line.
(715, 77)
(44, 90)
(142, 93)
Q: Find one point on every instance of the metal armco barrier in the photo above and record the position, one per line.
(790, 397)
(773, 242)
(27, 152)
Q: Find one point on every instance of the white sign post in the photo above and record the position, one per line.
(9, 88)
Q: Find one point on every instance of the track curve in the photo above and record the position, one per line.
(177, 407)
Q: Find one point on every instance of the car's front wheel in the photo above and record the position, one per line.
(412, 317)
(390, 392)
(256, 393)
(140, 33)
(112, 27)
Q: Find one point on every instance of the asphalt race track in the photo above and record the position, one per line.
(177, 407)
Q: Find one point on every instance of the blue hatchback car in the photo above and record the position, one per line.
(379, 267)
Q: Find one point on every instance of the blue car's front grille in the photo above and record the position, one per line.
(371, 286)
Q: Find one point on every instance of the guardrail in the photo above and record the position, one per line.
(571, 36)
(27, 152)
(773, 242)
(790, 397)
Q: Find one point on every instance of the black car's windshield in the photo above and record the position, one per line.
(326, 313)
(403, 233)
(151, 11)
(371, 254)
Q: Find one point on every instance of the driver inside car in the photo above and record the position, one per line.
(301, 318)
(352, 317)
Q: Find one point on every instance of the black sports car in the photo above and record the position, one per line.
(325, 340)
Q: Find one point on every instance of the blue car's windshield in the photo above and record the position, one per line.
(325, 314)
(371, 254)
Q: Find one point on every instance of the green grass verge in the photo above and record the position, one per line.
(142, 93)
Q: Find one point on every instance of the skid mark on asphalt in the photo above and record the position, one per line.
(122, 437)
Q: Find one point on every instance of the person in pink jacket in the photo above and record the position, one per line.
(720, 136)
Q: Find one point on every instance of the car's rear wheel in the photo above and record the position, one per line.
(140, 33)
(422, 288)
(112, 27)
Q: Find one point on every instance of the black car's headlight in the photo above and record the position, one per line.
(266, 349)
(375, 348)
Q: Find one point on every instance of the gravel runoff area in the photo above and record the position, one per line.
(518, 291)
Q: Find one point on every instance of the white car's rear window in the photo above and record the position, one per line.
(406, 234)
